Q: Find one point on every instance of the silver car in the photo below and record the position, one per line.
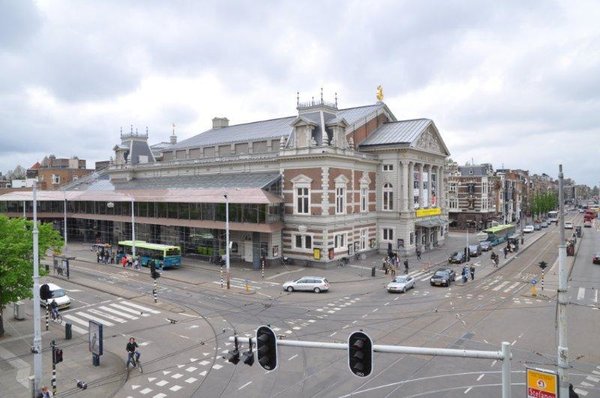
(315, 284)
(401, 284)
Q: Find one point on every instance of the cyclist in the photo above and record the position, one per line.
(54, 310)
(131, 351)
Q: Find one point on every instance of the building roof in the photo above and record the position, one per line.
(400, 132)
(274, 128)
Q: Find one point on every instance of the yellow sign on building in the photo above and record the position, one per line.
(541, 383)
(433, 211)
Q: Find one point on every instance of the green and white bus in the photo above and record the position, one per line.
(500, 233)
(169, 256)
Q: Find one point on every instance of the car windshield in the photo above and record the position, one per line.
(440, 273)
(400, 279)
(58, 293)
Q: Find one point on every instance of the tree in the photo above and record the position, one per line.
(16, 258)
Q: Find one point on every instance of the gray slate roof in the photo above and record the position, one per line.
(401, 132)
(269, 129)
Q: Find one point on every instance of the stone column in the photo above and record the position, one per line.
(420, 185)
(325, 193)
(440, 184)
(411, 186)
(429, 169)
(404, 185)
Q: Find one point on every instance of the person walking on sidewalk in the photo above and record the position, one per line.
(406, 266)
(418, 254)
(465, 272)
(472, 269)
(45, 393)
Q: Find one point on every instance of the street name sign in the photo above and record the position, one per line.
(541, 383)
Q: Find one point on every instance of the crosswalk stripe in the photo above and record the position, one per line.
(76, 320)
(500, 286)
(596, 296)
(119, 313)
(131, 310)
(141, 307)
(581, 293)
(105, 315)
(78, 329)
(93, 318)
(511, 287)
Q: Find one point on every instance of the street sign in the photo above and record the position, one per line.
(533, 281)
(541, 383)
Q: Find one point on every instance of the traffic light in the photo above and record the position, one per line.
(266, 348)
(45, 292)
(248, 356)
(153, 272)
(543, 265)
(57, 356)
(233, 356)
(360, 354)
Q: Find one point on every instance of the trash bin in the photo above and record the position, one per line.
(68, 331)
(19, 311)
(373, 271)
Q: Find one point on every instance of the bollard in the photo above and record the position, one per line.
(247, 286)
(373, 269)
(68, 331)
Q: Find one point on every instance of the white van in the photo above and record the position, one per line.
(59, 295)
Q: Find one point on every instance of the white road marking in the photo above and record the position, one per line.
(245, 385)
(122, 314)
(177, 375)
(581, 392)
(332, 334)
(108, 316)
(375, 310)
(150, 310)
(190, 380)
(586, 384)
(283, 273)
(93, 318)
(468, 389)
(581, 293)
(175, 388)
(596, 296)
(160, 395)
(162, 383)
(127, 309)
(500, 286)
(480, 376)
(292, 357)
(512, 287)
(594, 379)
(145, 391)
(513, 343)
(494, 362)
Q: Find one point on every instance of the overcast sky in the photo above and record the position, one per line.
(512, 83)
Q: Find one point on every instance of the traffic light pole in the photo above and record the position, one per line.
(155, 291)
(53, 368)
(563, 299)
(503, 355)
(37, 332)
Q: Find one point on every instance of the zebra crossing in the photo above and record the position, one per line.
(109, 314)
(584, 296)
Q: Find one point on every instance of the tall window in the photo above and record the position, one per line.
(302, 200)
(55, 179)
(452, 187)
(388, 197)
(304, 242)
(340, 200)
(340, 241)
(363, 238)
(453, 203)
(387, 234)
(363, 199)
(388, 167)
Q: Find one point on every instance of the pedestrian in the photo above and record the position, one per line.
(418, 254)
(124, 261)
(136, 264)
(505, 252)
(45, 393)
(397, 262)
(472, 269)
(129, 262)
(393, 270)
(572, 393)
(464, 274)
(406, 266)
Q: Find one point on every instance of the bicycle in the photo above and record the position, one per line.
(135, 361)
(56, 317)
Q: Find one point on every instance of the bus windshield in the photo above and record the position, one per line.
(553, 216)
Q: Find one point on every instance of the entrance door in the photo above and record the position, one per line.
(248, 251)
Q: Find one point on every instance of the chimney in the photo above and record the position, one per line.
(220, 122)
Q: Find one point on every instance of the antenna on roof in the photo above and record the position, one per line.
(321, 94)
(173, 128)
(146, 130)
(297, 98)
(336, 100)
(132, 129)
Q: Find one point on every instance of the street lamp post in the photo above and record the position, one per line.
(133, 227)
(227, 261)
(37, 331)
(65, 220)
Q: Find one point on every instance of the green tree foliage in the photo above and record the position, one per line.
(16, 258)
(543, 203)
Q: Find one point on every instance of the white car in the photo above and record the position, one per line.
(59, 295)
(401, 284)
(528, 229)
(315, 284)
(568, 225)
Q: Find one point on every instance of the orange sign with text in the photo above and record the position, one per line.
(541, 384)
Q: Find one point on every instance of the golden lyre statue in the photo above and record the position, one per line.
(379, 93)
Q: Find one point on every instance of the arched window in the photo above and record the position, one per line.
(388, 197)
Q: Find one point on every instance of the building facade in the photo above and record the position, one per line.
(318, 186)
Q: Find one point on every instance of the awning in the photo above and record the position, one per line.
(431, 222)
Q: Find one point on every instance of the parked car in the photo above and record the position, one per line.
(544, 224)
(59, 295)
(596, 258)
(486, 245)
(315, 284)
(442, 277)
(587, 224)
(528, 229)
(568, 225)
(457, 258)
(401, 284)
(474, 250)
(537, 227)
